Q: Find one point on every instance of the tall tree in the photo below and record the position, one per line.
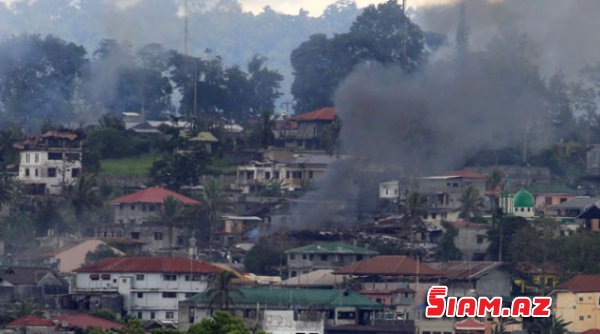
(172, 215)
(222, 293)
(215, 201)
(471, 202)
(84, 195)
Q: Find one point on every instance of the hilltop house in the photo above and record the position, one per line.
(137, 216)
(304, 131)
(471, 239)
(151, 288)
(444, 191)
(312, 309)
(291, 174)
(303, 260)
(576, 302)
(49, 163)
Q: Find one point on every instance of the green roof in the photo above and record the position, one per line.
(551, 188)
(523, 199)
(287, 296)
(331, 248)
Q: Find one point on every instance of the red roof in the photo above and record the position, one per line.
(149, 265)
(469, 324)
(154, 195)
(591, 331)
(388, 265)
(465, 174)
(464, 269)
(323, 114)
(30, 321)
(581, 283)
(85, 321)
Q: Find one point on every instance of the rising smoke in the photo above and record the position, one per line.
(492, 97)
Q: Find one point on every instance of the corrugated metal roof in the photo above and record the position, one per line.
(581, 283)
(388, 265)
(149, 265)
(331, 248)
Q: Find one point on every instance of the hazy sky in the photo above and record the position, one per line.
(314, 7)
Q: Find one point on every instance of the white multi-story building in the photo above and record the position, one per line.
(49, 163)
(151, 288)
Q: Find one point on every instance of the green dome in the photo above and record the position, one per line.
(523, 199)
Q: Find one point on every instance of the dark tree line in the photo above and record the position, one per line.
(47, 78)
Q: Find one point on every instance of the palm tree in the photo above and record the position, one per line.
(492, 183)
(223, 290)
(84, 196)
(214, 203)
(546, 326)
(171, 214)
(470, 200)
(414, 207)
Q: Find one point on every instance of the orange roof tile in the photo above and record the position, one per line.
(388, 265)
(30, 321)
(154, 195)
(323, 114)
(581, 283)
(85, 321)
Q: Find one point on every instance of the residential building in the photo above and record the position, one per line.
(137, 216)
(444, 192)
(151, 288)
(389, 190)
(577, 302)
(471, 239)
(517, 176)
(591, 217)
(333, 307)
(292, 174)
(573, 207)
(236, 229)
(474, 278)
(132, 119)
(521, 204)
(305, 259)
(206, 140)
(70, 258)
(536, 279)
(48, 164)
(548, 195)
(31, 324)
(304, 131)
(41, 285)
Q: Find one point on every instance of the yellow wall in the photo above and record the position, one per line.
(581, 309)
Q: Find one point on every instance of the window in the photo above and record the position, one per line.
(359, 257)
(311, 257)
(267, 175)
(346, 315)
(37, 158)
(144, 207)
(132, 207)
(27, 172)
(190, 294)
(455, 185)
(169, 294)
(548, 200)
(276, 174)
(179, 241)
(562, 199)
(293, 274)
(169, 315)
(324, 257)
(581, 318)
(152, 315)
(140, 295)
(580, 299)
(94, 277)
(135, 235)
(105, 277)
(51, 172)
(480, 239)
(54, 156)
(170, 277)
(139, 315)
(193, 278)
(151, 207)
(304, 257)
(296, 175)
(139, 277)
(158, 236)
(287, 175)
(36, 172)
(292, 257)
(311, 174)
(75, 172)
(27, 158)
